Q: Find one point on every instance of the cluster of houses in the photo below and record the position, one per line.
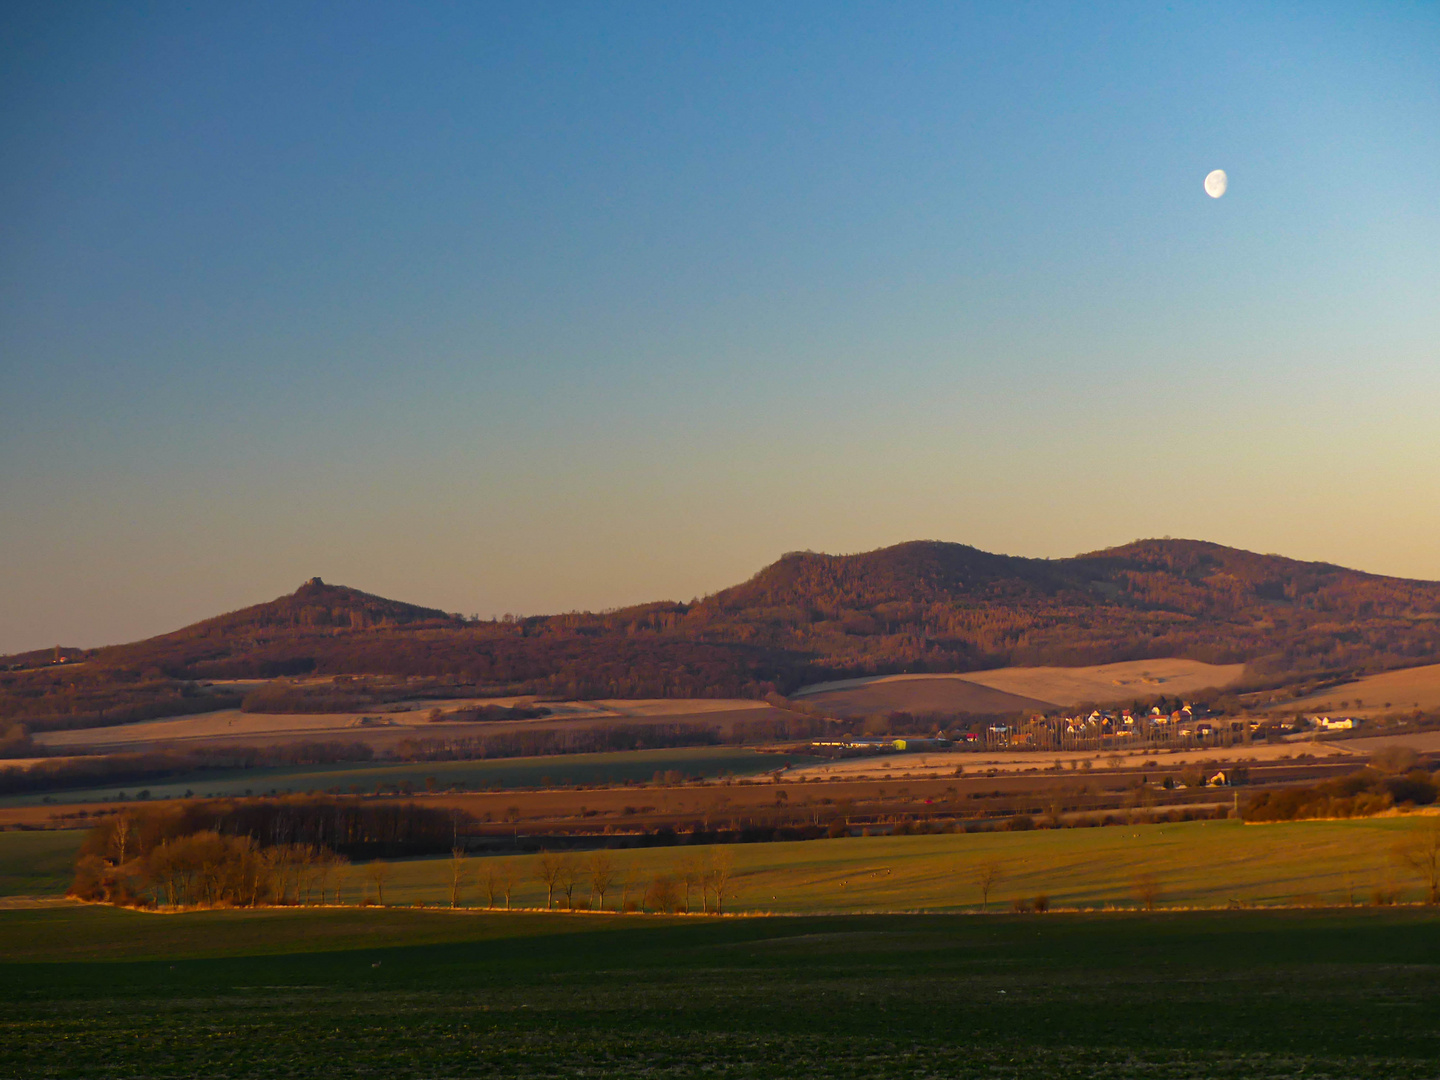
(1186, 722)
(1193, 723)
(1189, 722)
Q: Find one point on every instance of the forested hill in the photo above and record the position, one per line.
(1184, 576)
(935, 606)
(313, 609)
(924, 606)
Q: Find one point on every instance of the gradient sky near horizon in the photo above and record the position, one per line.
(536, 307)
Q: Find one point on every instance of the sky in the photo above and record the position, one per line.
(540, 307)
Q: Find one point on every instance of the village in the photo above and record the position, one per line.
(1190, 725)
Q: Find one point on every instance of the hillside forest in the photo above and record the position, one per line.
(916, 607)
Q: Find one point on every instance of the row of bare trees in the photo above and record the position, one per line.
(707, 880)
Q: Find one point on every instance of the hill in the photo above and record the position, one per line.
(267, 632)
(918, 607)
(930, 606)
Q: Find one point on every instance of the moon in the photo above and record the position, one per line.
(1216, 183)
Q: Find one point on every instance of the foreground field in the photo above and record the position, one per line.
(92, 992)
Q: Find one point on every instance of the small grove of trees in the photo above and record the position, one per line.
(229, 852)
(710, 879)
(206, 869)
(1360, 794)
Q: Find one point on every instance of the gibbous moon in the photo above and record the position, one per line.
(1216, 183)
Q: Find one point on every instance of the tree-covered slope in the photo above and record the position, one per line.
(923, 606)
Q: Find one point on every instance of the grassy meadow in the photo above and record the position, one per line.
(90, 992)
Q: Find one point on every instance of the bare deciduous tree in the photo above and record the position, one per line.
(569, 877)
(691, 875)
(1147, 890)
(548, 868)
(328, 862)
(509, 878)
(602, 875)
(663, 893)
(309, 858)
(986, 877)
(167, 869)
(720, 878)
(624, 881)
(458, 872)
(282, 863)
(491, 876)
(1420, 851)
(377, 872)
(120, 836)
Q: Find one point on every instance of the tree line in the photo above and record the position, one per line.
(152, 766)
(351, 827)
(703, 881)
(1390, 781)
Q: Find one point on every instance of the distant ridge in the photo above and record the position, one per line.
(914, 607)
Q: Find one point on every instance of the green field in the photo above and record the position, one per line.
(1198, 863)
(37, 863)
(87, 992)
(632, 766)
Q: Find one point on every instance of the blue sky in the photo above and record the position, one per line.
(536, 307)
